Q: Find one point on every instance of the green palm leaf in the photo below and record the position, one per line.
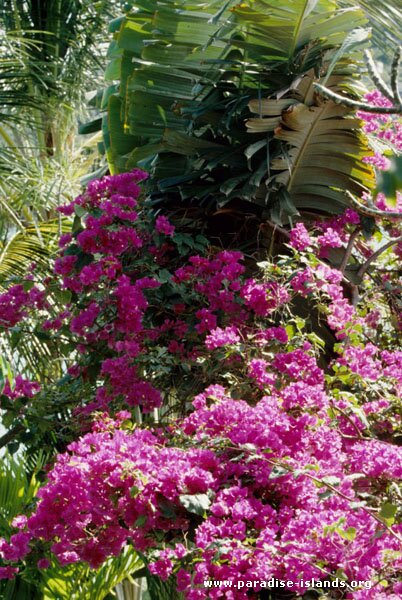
(32, 351)
(27, 246)
(385, 17)
(51, 49)
(17, 490)
(79, 582)
(157, 589)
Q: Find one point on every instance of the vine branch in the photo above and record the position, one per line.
(369, 511)
(392, 94)
(371, 211)
(10, 435)
(348, 250)
(376, 77)
(395, 74)
(357, 105)
(376, 254)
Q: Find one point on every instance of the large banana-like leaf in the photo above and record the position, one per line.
(322, 148)
(277, 31)
(315, 157)
(164, 55)
(187, 77)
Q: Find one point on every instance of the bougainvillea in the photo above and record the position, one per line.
(235, 492)
(281, 461)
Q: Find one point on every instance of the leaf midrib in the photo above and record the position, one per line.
(303, 147)
(298, 28)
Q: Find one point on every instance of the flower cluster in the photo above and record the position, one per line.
(283, 463)
(21, 388)
(241, 492)
(113, 316)
(17, 302)
(385, 127)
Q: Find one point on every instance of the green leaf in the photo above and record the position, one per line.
(278, 471)
(116, 138)
(347, 534)
(140, 522)
(79, 210)
(164, 276)
(325, 495)
(6, 371)
(384, 18)
(90, 127)
(63, 296)
(353, 40)
(253, 148)
(161, 590)
(134, 491)
(195, 503)
(331, 480)
(387, 513)
(79, 582)
(186, 92)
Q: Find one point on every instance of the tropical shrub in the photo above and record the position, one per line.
(219, 417)
(286, 463)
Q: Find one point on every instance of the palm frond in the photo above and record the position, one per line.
(79, 582)
(30, 350)
(17, 490)
(157, 589)
(186, 124)
(322, 151)
(16, 78)
(52, 48)
(30, 245)
(19, 589)
(385, 17)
